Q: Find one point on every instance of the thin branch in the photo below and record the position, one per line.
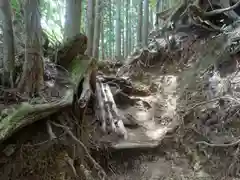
(101, 173)
(210, 4)
(70, 162)
(219, 11)
(50, 131)
(219, 145)
(44, 142)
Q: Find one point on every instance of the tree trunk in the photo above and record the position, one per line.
(118, 30)
(8, 41)
(140, 23)
(130, 29)
(122, 39)
(32, 77)
(146, 23)
(102, 40)
(158, 7)
(151, 18)
(97, 24)
(73, 18)
(110, 27)
(127, 28)
(90, 14)
(85, 16)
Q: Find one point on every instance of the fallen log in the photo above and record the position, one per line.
(110, 126)
(99, 106)
(86, 92)
(107, 112)
(125, 86)
(117, 122)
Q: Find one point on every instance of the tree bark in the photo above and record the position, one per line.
(97, 24)
(126, 27)
(32, 77)
(151, 18)
(90, 14)
(8, 41)
(140, 23)
(146, 23)
(102, 40)
(118, 30)
(110, 44)
(73, 18)
(129, 29)
(122, 38)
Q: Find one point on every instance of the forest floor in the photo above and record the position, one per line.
(167, 135)
(151, 119)
(156, 118)
(165, 142)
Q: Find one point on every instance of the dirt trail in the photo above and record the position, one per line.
(152, 151)
(154, 114)
(178, 157)
(153, 123)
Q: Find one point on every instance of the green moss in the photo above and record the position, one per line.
(79, 67)
(27, 113)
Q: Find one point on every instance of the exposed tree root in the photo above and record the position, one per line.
(219, 145)
(101, 172)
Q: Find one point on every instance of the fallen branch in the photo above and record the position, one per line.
(219, 145)
(135, 145)
(50, 132)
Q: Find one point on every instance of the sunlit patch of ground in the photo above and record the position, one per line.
(154, 122)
